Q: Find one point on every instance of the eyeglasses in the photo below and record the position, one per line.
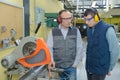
(69, 18)
(88, 19)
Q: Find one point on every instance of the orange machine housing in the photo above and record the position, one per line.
(40, 45)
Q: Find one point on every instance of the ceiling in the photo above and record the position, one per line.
(79, 6)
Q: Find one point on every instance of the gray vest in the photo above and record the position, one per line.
(64, 50)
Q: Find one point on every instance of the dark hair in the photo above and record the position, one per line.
(91, 11)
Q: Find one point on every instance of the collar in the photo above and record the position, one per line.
(60, 27)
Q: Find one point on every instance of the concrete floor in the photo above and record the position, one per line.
(81, 73)
(115, 73)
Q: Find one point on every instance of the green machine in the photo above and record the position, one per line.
(51, 19)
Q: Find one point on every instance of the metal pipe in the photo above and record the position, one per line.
(107, 5)
(77, 8)
(35, 22)
(33, 73)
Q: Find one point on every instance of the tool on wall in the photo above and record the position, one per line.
(7, 42)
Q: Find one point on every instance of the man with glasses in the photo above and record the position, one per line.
(65, 45)
(102, 46)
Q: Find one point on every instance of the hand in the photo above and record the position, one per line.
(109, 74)
(51, 65)
(73, 66)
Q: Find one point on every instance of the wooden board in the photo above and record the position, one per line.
(11, 17)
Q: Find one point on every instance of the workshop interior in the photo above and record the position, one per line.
(24, 28)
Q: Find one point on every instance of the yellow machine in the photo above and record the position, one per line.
(80, 23)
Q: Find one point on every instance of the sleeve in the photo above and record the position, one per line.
(78, 49)
(50, 44)
(113, 47)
